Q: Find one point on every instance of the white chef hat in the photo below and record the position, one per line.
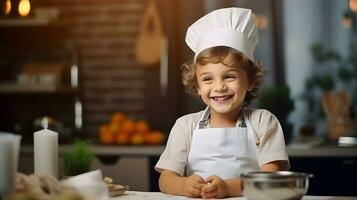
(231, 27)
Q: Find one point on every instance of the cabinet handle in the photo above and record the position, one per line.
(348, 162)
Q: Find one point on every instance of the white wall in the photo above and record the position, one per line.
(307, 22)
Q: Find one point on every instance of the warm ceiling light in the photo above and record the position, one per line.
(7, 7)
(24, 8)
(353, 5)
(261, 21)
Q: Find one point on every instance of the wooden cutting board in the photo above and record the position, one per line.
(337, 106)
(148, 45)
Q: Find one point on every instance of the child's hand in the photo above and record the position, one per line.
(215, 188)
(193, 185)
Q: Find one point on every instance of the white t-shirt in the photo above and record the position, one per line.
(266, 128)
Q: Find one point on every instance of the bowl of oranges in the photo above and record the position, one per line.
(123, 130)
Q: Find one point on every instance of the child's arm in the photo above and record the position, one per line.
(233, 187)
(172, 183)
(274, 166)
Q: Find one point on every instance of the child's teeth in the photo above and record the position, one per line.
(221, 98)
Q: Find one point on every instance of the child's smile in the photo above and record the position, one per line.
(222, 98)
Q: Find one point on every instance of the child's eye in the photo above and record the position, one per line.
(230, 76)
(205, 79)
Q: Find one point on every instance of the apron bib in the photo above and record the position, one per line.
(225, 152)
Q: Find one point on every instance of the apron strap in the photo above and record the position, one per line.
(250, 129)
(204, 118)
(242, 120)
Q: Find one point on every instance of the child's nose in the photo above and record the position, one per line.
(220, 86)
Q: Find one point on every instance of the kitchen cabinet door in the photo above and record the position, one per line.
(332, 175)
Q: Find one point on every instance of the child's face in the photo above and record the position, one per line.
(222, 87)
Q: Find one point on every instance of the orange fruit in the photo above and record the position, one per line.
(118, 118)
(155, 137)
(142, 126)
(105, 136)
(104, 128)
(137, 139)
(122, 139)
(114, 128)
(128, 126)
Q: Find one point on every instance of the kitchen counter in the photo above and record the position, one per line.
(111, 150)
(294, 150)
(304, 150)
(134, 195)
(134, 165)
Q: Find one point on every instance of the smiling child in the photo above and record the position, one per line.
(207, 151)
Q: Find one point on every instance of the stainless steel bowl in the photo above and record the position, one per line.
(282, 185)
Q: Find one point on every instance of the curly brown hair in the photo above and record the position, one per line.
(255, 70)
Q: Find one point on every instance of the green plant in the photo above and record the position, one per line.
(78, 160)
(276, 99)
(333, 71)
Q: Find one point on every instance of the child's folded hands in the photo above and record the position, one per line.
(215, 187)
(193, 185)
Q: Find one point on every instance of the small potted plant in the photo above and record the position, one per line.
(78, 160)
(276, 99)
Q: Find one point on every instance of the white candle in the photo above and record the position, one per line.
(15, 141)
(46, 152)
(9, 156)
(7, 170)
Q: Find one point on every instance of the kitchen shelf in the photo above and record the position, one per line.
(24, 22)
(36, 47)
(34, 88)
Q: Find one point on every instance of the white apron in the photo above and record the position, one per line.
(225, 152)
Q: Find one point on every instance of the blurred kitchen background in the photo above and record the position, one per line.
(76, 64)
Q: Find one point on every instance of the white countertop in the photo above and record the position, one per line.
(134, 195)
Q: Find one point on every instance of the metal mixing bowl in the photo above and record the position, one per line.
(282, 185)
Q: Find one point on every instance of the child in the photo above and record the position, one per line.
(207, 151)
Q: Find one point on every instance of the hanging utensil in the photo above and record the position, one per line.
(152, 45)
(164, 67)
(148, 46)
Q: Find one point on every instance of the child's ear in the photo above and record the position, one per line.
(250, 87)
(198, 91)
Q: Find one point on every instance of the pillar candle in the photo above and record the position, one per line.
(7, 170)
(15, 141)
(46, 152)
(9, 156)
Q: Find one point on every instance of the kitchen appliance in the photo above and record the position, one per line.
(347, 141)
(281, 185)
